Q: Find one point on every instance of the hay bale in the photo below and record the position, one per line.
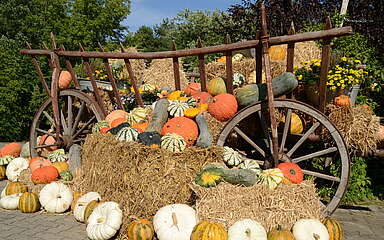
(283, 206)
(160, 74)
(357, 125)
(142, 179)
(138, 66)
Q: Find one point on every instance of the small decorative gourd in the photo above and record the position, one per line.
(79, 208)
(65, 79)
(251, 165)
(271, 177)
(66, 176)
(105, 221)
(279, 234)
(99, 125)
(231, 157)
(205, 137)
(277, 53)
(191, 112)
(58, 156)
(15, 167)
(223, 107)
(147, 87)
(334, 229)
(29, 202)
(5, 160)
(159, 116)
(61, 166)
(174, 222)
(140, 229)
(209, 231)
(209, 177)
(173, 142)
(310, 229)
(115, 130)
(247, 229)
(174, 95)
(191, 102)
(128, 134)
(137, 114)
(10, 202)
(291, 171)
(15, 187)
(55, 197)
(216, 86)
(238, 79)
(342, 100)
(176, 108)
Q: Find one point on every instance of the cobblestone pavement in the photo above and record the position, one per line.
(359, 223)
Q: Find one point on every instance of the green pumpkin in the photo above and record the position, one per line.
(247, 95)
(66, 176)
(216, 86)
(99, 125)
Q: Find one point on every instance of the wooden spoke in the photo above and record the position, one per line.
(246, 138)
(303, 138)
(48, 145)
(78, 140)
(83, 127)
(286, 129)
(321, 175)
(78, 116)
(46, 132)
(315, 154)
(268, 140)
(49, 118)
(70, 114)
(63, 122)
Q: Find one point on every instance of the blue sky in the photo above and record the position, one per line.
(151, 12)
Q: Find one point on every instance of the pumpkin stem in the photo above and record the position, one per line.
(316, 236)
(248, 233)
(174, 219)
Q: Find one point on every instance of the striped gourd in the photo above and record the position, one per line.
(57, 156)
(176, 108)
(238, 79)
(127, 134)
(271, 177)
(147, 87)
(209, 231)
(29, 202)
(99, 125)
(6, 159)
(137, 114)
(15, 187)
(334, 228)
(231, 157)
(140, 229)
(173, 142)
(251, 165)
(191, 102)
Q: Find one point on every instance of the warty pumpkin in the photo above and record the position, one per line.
(44, 175)
(65, 79)
(192, 88)
(39, 163)
(216, 86)
(11, 149)
(223, 107)
(29, 202)
(140, 229)
(334, 229)
(342, 100)
(202, 97)
(209, 231)
(183, 126)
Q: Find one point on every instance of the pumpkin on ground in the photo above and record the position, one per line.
(105, 221)
(66, 176)
(89, 209)
(5, 160)
(10, 149)
(173, 142)
(140, 126)
(342, 100)
(184, 127)
(15, 167)
(202, 97)
(231, 157)
(99, 125)
(39, 163)
(305, 229)
(55, 197)
(127, 134)
(47, 140)
(76, 196)
(150, 138)
(223, 107)
(209, 231)
(251, 165)
(334, 229)
(271, 177)
(65, 79)
(2, 173)
(291, 171)
(10, 202)
(176, 108)
(174, 222)
(46, 174)
(29, 202)
(115, 114)
(79, 208)
(216, 86)
(192, 88)
(247, 229)
(280, 234)
(140, 229)
(15, 187)
(61, 166)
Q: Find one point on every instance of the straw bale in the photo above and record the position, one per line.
(160, 74)
(282, 206)
(142, 179)
(357, 125)
(306, 51)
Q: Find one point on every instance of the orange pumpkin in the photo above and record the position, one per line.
(12, 149)
(65, 80)
(39, 164)
(223, 107)
(35, 159)
(222, 59)
(118, 121)
(202, 97)
(44, 175)
(104, 130)
(47, 140)
(140, 126)
(277, 53)
(192, 89)
(342, 100)
(183, 126)
(116, 114)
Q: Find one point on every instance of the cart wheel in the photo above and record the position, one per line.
(78, 112)
(318, 148)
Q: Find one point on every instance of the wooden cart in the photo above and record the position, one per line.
(257, 133)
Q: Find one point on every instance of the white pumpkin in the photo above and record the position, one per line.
(15, 167)
(104, 221)
(310, 229)
(10, 202)
(175, 222)
(81, 204)
(56, 197)
(247, 229)
(231, 157)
